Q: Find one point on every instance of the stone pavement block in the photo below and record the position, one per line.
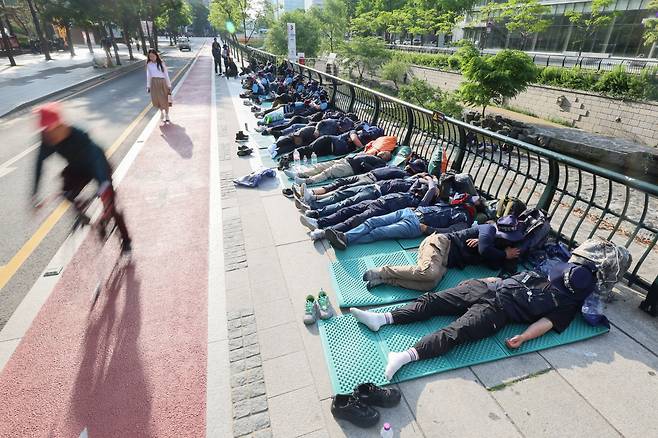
(546, 406)
(218, 415)
(295, 413)
(284, 221)
(624, 313)
(315, 355)
(279, 341)
(617, 376)
(237, 279)
(236, 299)
(454, 404)
(274, 313)
(320, 433)
(306, 270)
(287, 373)
(399, 417)
(263, 260)
(497, 373)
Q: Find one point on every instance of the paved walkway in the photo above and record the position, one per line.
(34, 77)
(201, 332)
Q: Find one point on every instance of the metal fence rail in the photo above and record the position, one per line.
(584, 199)
(632, 65)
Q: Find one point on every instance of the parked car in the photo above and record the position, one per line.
(184, 44)
(397, 42)
(406, 42)
(416, 41)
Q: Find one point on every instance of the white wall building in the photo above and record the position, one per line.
(310, 3)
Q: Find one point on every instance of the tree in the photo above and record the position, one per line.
(174, 15)
(495, 78)
(526, 17)
(395, 71)
(247, 16)
(306, 25)
(332, 19)
(37, 26)
(365, 54)
(200, 23)
(650, 35)
(589, 23)
(422, 94)
(5, 39)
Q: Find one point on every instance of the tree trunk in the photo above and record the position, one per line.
(21, 24)
(10, 28)
(148, 34)
(126, 39)
(88, 38)
(484, 107)
(7, 44)
(69, 39)
(114, 44)
(140, 31)
(37, 27)
(155, 35)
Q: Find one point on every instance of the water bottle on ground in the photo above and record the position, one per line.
(304, 162)
(592, 309)
(314, 159)
(295, 159)
(387, 431)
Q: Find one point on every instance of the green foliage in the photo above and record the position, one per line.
(174, 14)
(306, 25)
(575, 78)
(364, 54)
(619, 83)
(589, 23)
(426, 59)
(525, 17)
(495, 78)
(395, 71)
(419, 92)
(332, 19)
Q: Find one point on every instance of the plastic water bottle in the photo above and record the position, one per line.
(592, 309)
(387, 431)
(295, 159)
(305, 162)
(314, 159)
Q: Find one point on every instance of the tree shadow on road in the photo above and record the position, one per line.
(177, 139)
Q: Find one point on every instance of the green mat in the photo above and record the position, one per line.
(367, 249)
(356, 355)
(347, 277)
(411, 243)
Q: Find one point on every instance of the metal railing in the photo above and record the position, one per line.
(584, 199)
(596, 63)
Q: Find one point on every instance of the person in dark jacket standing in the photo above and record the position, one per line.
(217, 56)
(85, 162)
(490, 245)
(485, 306)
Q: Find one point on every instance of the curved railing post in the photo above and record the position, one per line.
(458, 160)
(375, 116)
(551, 185)
(410, 127)
(352, 99)
(332, 102)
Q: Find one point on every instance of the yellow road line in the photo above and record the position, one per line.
(10, 269)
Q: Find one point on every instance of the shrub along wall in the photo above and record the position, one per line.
(591, 112)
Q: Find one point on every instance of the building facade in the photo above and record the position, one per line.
(308, 4)
(623, 37)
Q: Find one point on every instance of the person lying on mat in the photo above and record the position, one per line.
(358, 178)
(342, 144)
(352, 216)
(495, 246)
(308, 133)
(325, 205)
(411, 222)
(485, 306)
(341, 168)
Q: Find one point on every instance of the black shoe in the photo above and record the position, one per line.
(336, 238)
(126, 247)
(301, 206)
(241, 136)
(373, 395)
(346, 407)
(312, 214)
(284, 163)
(245, 152)
(242, 147)
(287, 193)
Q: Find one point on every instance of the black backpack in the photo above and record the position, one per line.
(537, 227)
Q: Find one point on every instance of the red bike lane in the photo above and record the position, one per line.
(134, 362)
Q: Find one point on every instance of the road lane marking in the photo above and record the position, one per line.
(10, 269)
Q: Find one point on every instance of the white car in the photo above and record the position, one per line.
(184, 43)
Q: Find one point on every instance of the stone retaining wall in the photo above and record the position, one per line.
(593, 113)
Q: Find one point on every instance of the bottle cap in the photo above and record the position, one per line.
(387, 426)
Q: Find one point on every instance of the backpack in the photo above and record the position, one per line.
(537, 227)
(452, 182)
(611, 262)
(510, 205)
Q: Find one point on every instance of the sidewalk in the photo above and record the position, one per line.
(34, 77)
(202, 333)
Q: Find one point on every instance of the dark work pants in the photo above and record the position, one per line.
(374, 209)
(344, 214)
(480, 316)
(322, 146)
(218, 65)
(294, 121)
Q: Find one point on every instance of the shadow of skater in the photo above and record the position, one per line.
(111, 394)
(177, 139)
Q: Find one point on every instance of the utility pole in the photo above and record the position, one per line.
(5, 39)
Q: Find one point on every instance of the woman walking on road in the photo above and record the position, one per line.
(158, 84)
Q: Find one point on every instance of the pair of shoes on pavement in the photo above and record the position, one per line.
(317, 308)
(301, 206)
(244, 151)
(241, 136)
(255, 109)
(357, 408)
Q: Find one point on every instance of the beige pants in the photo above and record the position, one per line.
(426, 275)
(329, 170)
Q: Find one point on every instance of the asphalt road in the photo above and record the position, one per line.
(105, 111)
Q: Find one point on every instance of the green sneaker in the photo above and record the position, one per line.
(324, 306)
(310, 310)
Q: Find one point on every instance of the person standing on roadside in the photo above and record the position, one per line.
(225, 55)
(158, 84)
(217, 56)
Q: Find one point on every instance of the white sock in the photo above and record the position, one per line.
(372, 320)
(397, 360)
(317, 234)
